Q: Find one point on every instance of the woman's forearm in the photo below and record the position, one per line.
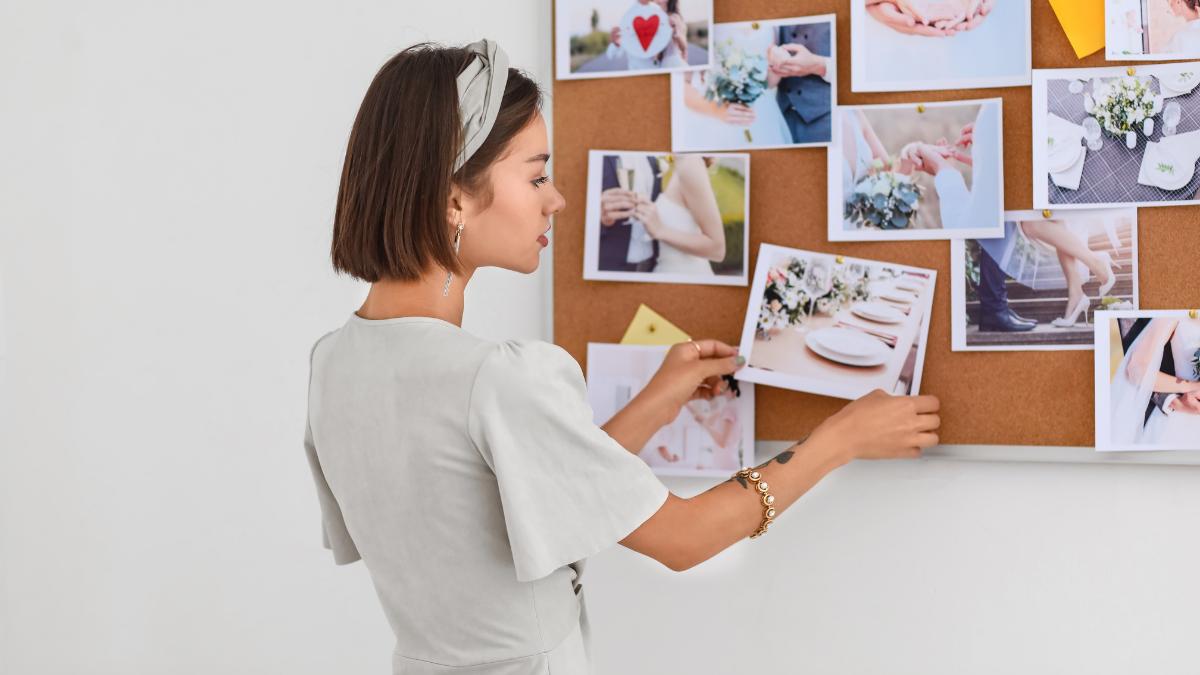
(634, 424)
(693, 243)
(728, 513)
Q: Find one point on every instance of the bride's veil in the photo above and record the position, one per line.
(1129, 399)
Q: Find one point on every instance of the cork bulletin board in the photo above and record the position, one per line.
(1002, 398)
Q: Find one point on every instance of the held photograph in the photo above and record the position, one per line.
(667, 218)
(710, 437)
(834, 325)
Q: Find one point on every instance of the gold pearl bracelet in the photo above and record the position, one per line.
(762, 489)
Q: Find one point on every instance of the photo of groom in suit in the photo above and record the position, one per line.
(624, 244)
(804, 93)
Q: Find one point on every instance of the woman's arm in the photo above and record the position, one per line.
(878, 151)
(730, 113)
(698, 198)
(1147, 356)
(686, 532)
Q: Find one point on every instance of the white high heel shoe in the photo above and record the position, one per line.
(1112, 275)
(1072, 318)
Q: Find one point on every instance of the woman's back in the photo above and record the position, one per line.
(411, 422)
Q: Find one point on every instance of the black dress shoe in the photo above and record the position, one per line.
(1020, 319)
(1003, 323)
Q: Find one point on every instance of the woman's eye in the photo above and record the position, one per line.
(541, 181)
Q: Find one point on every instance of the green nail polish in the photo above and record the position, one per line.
(741, 360)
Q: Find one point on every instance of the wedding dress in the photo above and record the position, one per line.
(853, 170)
(1177, 431)
(769, 126)
(677, 217)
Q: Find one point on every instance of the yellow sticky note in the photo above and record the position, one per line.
(1083, 22)
(650, 328)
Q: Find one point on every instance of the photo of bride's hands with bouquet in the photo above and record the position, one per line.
(914, 45)
(772, 85)
(1148, 380)
(668, 218)
(916, 171)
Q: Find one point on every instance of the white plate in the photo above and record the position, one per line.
(815, 343)
(1159, 154)
(878, 312)
(848, 342)
(897, 295)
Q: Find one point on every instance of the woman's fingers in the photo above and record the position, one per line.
(926, 403)
(710, 348)
(928, 422)
(927, 440)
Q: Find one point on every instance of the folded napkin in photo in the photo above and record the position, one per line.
(887, 338)
(1061, 133)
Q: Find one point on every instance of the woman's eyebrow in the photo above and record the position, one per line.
(539, 158)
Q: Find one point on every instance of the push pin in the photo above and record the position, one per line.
(1191, 313)
(1045, 213)
(840, 260)
(920, 107)
(754, 25)
(1131, 71)
(650, 328)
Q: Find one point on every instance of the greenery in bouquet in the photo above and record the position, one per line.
(1122, 104)
(740, 76)
(885, 200)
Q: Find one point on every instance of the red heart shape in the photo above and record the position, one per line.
(645, 29)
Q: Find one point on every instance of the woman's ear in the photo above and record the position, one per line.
(454, 206)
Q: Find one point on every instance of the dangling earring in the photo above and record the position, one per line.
(457, 237)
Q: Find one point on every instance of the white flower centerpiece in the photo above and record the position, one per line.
(785, 299)
(1125, 105)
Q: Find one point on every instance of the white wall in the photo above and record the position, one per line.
(166, 188)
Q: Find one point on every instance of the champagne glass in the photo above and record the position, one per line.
(818, 279)
(1171, 115)
(1091, 131)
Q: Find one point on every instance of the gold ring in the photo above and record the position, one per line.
(698, 349)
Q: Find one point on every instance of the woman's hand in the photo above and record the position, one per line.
(736, 113)
(882, 426)
(689, 373)
(679, 35)
(647, 212)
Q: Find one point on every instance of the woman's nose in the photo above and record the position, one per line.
(558, 203)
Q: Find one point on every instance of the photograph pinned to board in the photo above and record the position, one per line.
(1147, 380)
(710, 437)
(615, 38)
(1036, 287)
(917, 171)
(667, 218)
(1116, 136)
(834, 325)
(920, 45)
(773, 84)
(1157, 30)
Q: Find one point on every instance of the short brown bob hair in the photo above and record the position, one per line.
(391, 219)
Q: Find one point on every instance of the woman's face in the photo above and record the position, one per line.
(509, 231)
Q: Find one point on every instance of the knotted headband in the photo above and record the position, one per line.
(480, 89)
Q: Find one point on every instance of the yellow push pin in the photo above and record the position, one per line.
(754, 25)
(920, 107)
(1191, 313)
(1045, 213)
(1131, 71)
(840, 260)
(650, 327)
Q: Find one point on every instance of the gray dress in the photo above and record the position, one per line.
(469, 477)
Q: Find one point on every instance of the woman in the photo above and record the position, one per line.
(468, 474)
(1078, 262)
(1187, 39)
(674, 55)
(1140, 376)
(685, 220)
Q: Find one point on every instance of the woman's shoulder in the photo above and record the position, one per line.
(526, 359)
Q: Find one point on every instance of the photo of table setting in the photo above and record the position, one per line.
(1116, 136)
(834, 325)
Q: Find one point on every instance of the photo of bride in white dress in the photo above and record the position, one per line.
(612, 38)
(916, 171)
(668, 218)
(771, 86)
(1151, 371)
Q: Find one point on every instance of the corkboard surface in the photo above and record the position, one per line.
(1006, 398)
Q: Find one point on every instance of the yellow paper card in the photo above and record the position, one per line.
(1083, 22)
(650, 328)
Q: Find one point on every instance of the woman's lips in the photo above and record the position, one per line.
(543, 240)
